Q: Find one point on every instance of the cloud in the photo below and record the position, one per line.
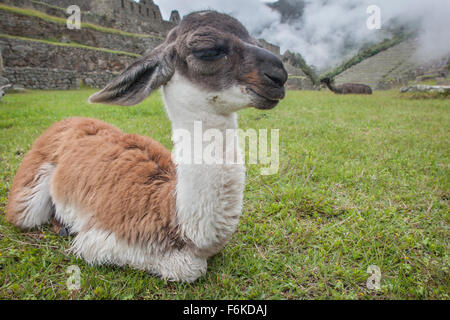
(253, 13)
(331, 30)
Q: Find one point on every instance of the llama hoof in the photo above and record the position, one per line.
(59, 228)
(64, 232)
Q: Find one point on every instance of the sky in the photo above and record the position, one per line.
(329, 27)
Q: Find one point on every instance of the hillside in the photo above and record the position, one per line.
(383, 61)
(393, 67)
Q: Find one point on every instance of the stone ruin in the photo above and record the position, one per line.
(40, 52)
(425, 88)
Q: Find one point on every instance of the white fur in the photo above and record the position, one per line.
(37, 205)
(101, 247)
(209, 197)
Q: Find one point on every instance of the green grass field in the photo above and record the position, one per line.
(364, 180)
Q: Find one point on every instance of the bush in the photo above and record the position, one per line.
(297, 61)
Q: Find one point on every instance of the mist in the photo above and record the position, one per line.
(329, 31)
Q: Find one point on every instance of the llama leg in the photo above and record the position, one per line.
(30, 203)
(181, 265)
(99, 247)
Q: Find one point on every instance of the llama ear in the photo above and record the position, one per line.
(140, 79)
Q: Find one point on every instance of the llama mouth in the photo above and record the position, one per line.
(262, 102)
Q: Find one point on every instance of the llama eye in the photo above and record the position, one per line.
(210, 54)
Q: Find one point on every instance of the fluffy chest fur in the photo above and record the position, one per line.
(208, 196)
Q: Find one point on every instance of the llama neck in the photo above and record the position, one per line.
(208, 194)
(333, 87)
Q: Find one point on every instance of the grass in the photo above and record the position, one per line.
(49, 18)
(364, 180)
(70, 45)
(427, 95)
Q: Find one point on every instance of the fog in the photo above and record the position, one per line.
(329, 31)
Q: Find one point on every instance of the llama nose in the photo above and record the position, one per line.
(278, 78)
(271, 67)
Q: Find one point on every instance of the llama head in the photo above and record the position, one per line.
(208, 61)
(2, 90)
(326, 80)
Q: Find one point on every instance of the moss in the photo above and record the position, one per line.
(71, 44)
(48, 5)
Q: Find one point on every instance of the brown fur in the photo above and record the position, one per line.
(132, 177)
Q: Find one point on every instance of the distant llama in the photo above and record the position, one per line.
(123, 196)
(3, 90)
(347, 88)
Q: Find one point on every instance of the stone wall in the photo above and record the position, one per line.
(131, 16)
(300, 83)
(33, 27)
(1, 62)
(271, 47)
(29, 63)
(141, 11)
(3, 80)
(298, 80)
(56, 79)
(125, 15)
(85, 5)
(96, 79)
(42, 78)
(21, 53)
(175, 17)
